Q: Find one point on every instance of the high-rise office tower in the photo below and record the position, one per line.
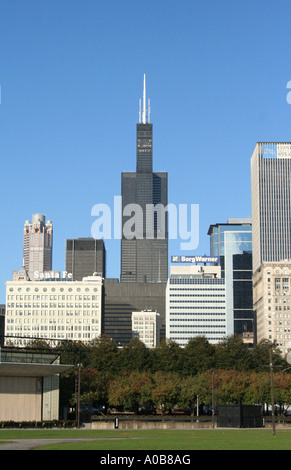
(232, 242)
(144, 244)
(271, 202)
(37, 245)
(85, 256)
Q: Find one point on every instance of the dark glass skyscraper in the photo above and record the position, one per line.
(144, 244)
(232, 242)
(85, 256)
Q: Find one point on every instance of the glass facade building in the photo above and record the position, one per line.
(85, 256)
(232, 242)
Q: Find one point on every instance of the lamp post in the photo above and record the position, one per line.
(79, 393)
(271, 345)
(212, 399)
(272, 390)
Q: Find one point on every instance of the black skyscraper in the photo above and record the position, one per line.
(144, 244)
(84, 256)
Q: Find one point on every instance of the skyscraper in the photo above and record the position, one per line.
(232, 242)
(85, 256)
(37, 245)
(271, 218)
(271, 202)
(144, 244)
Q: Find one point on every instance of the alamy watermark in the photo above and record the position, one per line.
(153, 221)
(288, 97)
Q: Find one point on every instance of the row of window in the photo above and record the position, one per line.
(197, 320)
(197, 281)
(25, 306)
(58, 313)
(196, 295)
(53, 289)
(38, 321)
(10, 329)
(188, 301)
(203, 289)
(191, 314)
(197, 308)
(53, 297)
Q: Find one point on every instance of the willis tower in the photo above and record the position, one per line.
(144, 243)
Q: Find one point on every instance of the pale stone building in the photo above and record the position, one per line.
(146, 327)
(272, 303)
(53, 306)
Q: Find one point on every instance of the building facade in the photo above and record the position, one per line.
(146, 327)
(232, 243)
(271, 202)
(196, 304)
(272, 303)
(29, 385)
(122, 298)
(144, 243)
(37, 245)
(2, 324)
(55, 308)
(85, 256)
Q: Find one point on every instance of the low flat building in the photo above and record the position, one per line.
(29, 385)
(196, 304)
(53, 307)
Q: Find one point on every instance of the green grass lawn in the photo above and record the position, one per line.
(208, 439)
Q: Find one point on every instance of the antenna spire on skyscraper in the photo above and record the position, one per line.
(144, 114)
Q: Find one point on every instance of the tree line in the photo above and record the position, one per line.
(168, 376)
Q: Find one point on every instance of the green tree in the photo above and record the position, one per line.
(198, 355)
(189, 392)
(260, 357)
(167, 357)
(129, 391)
(94, 388)
(232, 353)
(105, 355)
(165, 390)
(135, 356)
(230, 386)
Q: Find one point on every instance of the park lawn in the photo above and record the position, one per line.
(243, 439)
(162, 440)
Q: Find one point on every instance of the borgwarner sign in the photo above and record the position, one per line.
(195, 259)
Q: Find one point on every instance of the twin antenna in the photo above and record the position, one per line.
(144, 113)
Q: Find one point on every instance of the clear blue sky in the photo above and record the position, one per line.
(71, 75)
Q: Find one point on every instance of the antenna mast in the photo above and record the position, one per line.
(144, 113)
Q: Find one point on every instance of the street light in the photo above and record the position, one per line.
(79, 394)
(212, 399)
(271, 345)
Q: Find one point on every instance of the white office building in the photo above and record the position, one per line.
(196, 304)
(52, 308)
(146, 327)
